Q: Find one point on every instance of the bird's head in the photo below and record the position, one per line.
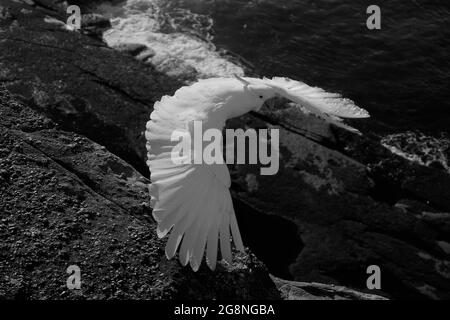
(254, 93)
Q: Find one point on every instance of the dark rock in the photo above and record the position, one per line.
(132, 48)
(339, 203)
(75, 203)
(80, 83)
(341, 193)
(93, 24)
(95, 20)
(292, 290)
(5, 13)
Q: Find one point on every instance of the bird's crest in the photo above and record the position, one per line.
(244, 82)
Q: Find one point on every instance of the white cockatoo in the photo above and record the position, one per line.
(193, 201)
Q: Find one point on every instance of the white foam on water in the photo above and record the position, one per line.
(146, 22)
(419, 148)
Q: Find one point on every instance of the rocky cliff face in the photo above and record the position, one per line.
(66, 200)
(353, 204)
(74, 188)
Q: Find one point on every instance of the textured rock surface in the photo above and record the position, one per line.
(78, 81)
(292, 290)
(354, 204)
(66, 200)
(334, 208)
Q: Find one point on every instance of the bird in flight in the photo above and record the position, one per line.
(192, 202)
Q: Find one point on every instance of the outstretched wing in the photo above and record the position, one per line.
(317, 99)
(192, 201)
(330, 106)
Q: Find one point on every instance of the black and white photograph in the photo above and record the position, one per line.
(224, 156)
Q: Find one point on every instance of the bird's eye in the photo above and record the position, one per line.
(261, 97)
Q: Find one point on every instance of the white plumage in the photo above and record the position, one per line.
(192, 201)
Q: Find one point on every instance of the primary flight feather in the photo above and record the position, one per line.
(192, 201)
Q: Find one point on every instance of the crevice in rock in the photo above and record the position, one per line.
(105, 83)
(40, 45)
(274, 240)
(4, 80)
(88, 183)
(321, 140)
(94, 187)
(40, 4)
(88, 124)
(385, 191)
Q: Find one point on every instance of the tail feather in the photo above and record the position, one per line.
(211, 246)
(191, 229)
(235, 232)
(201, 238)
(175, 238)
(225, 245)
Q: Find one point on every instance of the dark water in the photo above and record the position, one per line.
(400, 73)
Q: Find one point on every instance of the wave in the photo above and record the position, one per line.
(174, 36)
(420, 148)
(179, 40)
